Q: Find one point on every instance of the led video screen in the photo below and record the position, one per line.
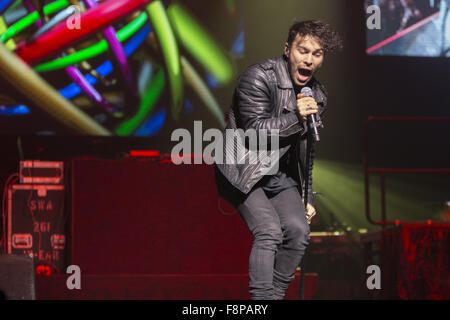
(115, 68)
(419, 28)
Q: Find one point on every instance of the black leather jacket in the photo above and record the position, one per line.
(264, 98)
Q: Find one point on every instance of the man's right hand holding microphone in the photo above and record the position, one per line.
(306, 106)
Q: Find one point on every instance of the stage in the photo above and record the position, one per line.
(135, 234)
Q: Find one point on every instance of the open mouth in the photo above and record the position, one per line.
(304, 74)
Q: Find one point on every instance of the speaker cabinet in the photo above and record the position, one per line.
(17, 279)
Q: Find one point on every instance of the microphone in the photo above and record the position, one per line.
(307, 92)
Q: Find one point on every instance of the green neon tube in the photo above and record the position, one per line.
(200, 44)
(196, 82)
(151, 96)
(169, 49)
(10, 44)
(32, 18)
(94, 50)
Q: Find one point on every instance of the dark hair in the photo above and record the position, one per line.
(328, 38)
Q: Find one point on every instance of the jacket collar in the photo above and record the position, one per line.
(281, 70)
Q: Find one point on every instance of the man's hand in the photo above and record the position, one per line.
(310, 212)
(306, 106)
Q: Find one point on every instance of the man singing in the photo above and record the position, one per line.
(278, 208)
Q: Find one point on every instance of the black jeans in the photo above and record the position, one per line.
(280, 236)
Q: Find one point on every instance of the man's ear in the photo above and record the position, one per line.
(286, 50)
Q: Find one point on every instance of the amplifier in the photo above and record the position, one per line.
(37, 225)
(45, 172)
(17, 278)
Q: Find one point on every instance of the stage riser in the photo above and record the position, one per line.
(131, 217)
(162, 287)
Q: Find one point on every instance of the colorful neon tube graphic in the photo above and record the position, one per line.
(36, 89)
(200, 44)
(169, 49)
(93, 20)
(94, 50)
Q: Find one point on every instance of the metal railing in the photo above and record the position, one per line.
(382, 171)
